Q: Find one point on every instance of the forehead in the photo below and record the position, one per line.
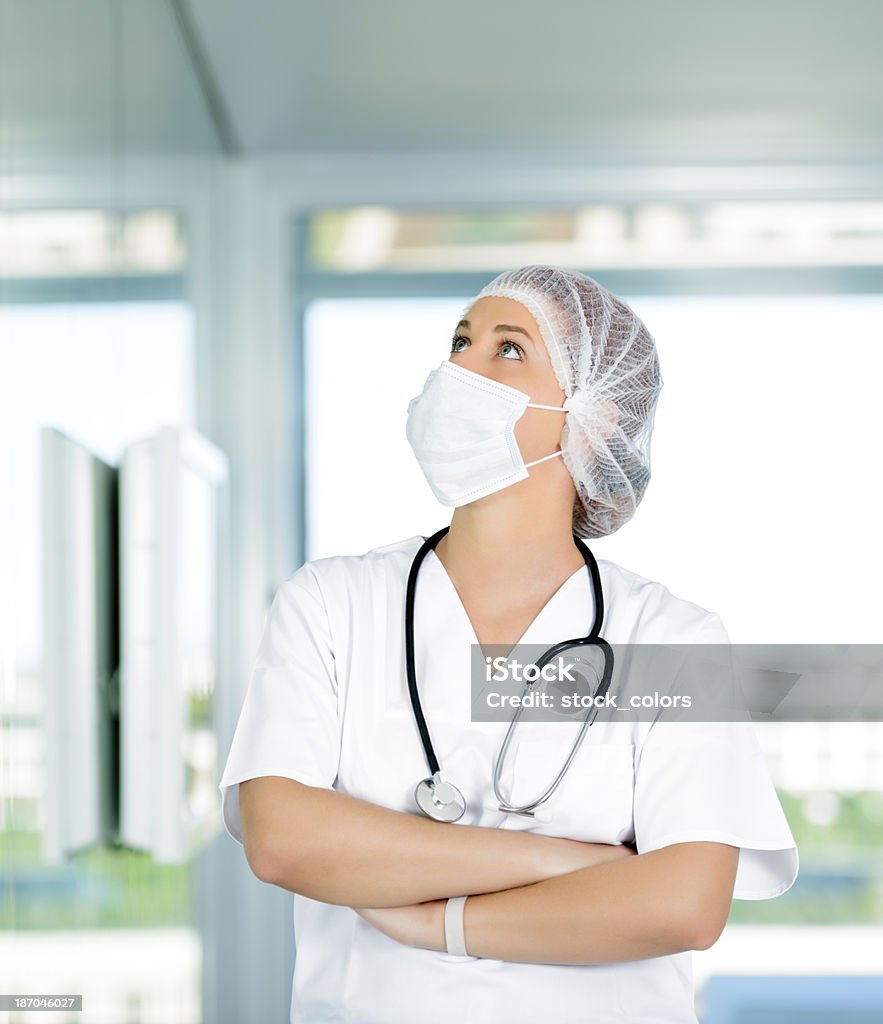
(494, 309)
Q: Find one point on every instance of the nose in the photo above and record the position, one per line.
(472, 360)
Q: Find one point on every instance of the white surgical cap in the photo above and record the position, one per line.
(606, 364)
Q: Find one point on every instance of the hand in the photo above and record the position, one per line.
(420, 924)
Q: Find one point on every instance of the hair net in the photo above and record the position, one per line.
(606, 364)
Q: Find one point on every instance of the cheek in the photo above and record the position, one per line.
(541, 437)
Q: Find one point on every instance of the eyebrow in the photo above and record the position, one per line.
(503, 327)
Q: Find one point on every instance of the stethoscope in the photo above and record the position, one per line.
(442, 800)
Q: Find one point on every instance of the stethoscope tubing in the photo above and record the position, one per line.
(410, 666)
(593, 638)
(591, 714)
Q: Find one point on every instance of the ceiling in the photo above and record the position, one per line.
(94, 78)
(642, 81)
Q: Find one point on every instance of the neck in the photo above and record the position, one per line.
(513, 535)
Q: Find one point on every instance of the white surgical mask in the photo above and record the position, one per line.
(462, 430)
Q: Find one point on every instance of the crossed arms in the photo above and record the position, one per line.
(534, 899)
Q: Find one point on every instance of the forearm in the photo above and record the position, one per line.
(355, 853)
(651, 905)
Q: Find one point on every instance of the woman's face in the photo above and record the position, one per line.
(500, 339)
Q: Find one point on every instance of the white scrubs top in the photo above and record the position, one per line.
(327, 705)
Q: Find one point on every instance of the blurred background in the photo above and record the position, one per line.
(234, 239)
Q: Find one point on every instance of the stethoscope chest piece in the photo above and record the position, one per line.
(439, 799)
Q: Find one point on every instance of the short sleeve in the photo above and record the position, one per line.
(288, 724)
(709, 782)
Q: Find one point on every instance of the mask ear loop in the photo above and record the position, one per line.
(554, 408)
(560, 451)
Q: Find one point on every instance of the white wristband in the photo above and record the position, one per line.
(455, 940)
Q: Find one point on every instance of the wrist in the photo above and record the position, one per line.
(431, 927)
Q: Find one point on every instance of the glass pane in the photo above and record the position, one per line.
(760, 471)
(654, 235)
(82, 243)
(758, 425)
(364, 360)
(109, 922)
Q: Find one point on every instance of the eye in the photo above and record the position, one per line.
(505, 342)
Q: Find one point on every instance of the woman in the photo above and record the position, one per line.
(534, 430)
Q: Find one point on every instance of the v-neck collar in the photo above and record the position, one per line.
(530, 635)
